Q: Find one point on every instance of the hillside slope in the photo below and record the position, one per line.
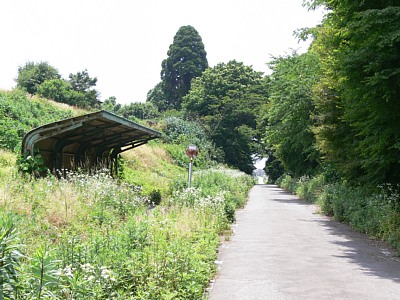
(21, 112)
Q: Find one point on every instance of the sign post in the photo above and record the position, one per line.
(191, 152)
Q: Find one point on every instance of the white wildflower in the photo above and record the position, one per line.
(68, 271)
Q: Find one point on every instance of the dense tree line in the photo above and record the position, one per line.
(223, 100)
(135, 110)
(358, 96)
(338, 105)
(226, 99)
(333, 109)
(290, 113)
(44, 80)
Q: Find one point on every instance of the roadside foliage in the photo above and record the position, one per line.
(332, 120)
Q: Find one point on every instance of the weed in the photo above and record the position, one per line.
(10, 256)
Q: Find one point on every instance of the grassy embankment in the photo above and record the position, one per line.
(92, 237)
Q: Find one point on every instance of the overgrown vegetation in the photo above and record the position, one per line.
(374, 211)
(227, 99)
(180, 133)
(20, 113)
(332, 121)
(328, 120)
(141, 236)
(92, 237)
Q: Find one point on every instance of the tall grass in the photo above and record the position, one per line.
(151, 167)
(230, 184)
(93, 237)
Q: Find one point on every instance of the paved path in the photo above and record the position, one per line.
(283, 249)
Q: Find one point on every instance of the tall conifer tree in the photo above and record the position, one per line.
(186, 60)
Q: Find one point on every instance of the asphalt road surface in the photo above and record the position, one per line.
(283, 249)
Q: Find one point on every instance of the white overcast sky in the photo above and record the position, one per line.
(123, 42)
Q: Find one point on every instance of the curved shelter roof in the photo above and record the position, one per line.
(91, 138)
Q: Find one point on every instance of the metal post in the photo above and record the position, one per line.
(190, 173)
(191, 152)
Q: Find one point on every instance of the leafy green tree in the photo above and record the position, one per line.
(138, 110)
(32, 75)
(289, 116)
(357, 100)
(81, 81)
(186, 60)
(111, 105)
(226, 99)
(157, 97)
(85, 95)
(273, 168)
(55, 89)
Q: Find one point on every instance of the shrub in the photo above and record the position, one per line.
(230, 209)
(56, 89)
(288, 183)
(180, 133)
(368, 210)
(155, 197)
(32, 164)
(309, 188)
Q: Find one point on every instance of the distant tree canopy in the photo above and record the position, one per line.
(32, 75)
(43, 79)
(227, 100)
(111, 104)
(83, 88)
(136, 110)
(186, 60)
